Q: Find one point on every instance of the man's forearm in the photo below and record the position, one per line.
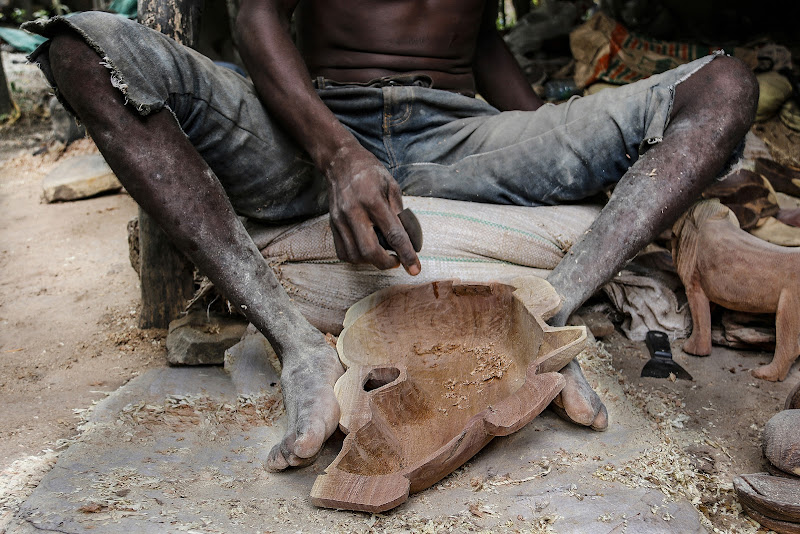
(361, 193)
(283, 83)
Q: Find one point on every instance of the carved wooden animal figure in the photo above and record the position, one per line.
(717, 261)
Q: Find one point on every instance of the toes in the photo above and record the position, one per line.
(581, 403)
(600, 422)
(275, 460)
(578, 402)
(579, 409)
(317, 420)
(282, 456)
(310, 439)
(288, 449)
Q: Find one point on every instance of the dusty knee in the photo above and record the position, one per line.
(734, 81)
(726, 89)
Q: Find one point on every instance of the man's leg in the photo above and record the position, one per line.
(711, 113)
(164, 173)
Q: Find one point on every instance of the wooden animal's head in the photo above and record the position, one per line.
(697, 216)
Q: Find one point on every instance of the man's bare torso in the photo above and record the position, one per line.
(356, 41)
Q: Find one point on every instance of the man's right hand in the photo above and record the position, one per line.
(363, 194)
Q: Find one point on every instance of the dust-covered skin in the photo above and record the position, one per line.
(711, 113)
(454, 42)
(578, 402)
(166, 175)
(351, 202)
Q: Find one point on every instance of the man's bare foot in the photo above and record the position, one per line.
(307, 381)
(577, 402)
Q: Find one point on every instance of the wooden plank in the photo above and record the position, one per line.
(166, 276)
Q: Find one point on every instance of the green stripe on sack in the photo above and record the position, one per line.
(431, 258)
(467, 260)
(492, 224)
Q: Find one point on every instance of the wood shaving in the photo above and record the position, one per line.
(181, 411)
(489, 365)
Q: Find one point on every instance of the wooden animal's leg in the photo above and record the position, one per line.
(699, 343)
(787, 344)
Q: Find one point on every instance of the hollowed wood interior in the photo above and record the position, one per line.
(465, 347)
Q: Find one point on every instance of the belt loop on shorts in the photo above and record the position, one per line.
(318, 82)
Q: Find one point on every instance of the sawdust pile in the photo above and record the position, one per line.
(18, 480)
(182, 411)
(668, 466)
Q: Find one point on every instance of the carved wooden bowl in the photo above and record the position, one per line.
(434, 372)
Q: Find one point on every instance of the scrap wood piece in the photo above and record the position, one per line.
(782, 442)
(776, 498)
(434, 372)
(784, 178)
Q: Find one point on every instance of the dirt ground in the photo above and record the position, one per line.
(68, 295)
(68, 313)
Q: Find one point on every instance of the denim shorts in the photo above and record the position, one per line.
(434, 142)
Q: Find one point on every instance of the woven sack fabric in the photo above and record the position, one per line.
(464, 240)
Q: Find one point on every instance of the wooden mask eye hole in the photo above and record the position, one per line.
(380, 376)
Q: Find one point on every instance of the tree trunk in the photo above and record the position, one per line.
(6, 104)
(166, 274)
(179, 19)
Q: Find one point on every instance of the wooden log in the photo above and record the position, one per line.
(166, 274)
(6, 104)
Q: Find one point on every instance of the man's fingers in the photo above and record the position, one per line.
(371, 251)
(343, 241)
(398, 240)
(357, 243)
(413, 228)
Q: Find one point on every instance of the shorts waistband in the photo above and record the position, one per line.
(418, 80)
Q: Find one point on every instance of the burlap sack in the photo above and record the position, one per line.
(466, 240)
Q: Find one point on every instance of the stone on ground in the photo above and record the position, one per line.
(202, 339)
(79, 177)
